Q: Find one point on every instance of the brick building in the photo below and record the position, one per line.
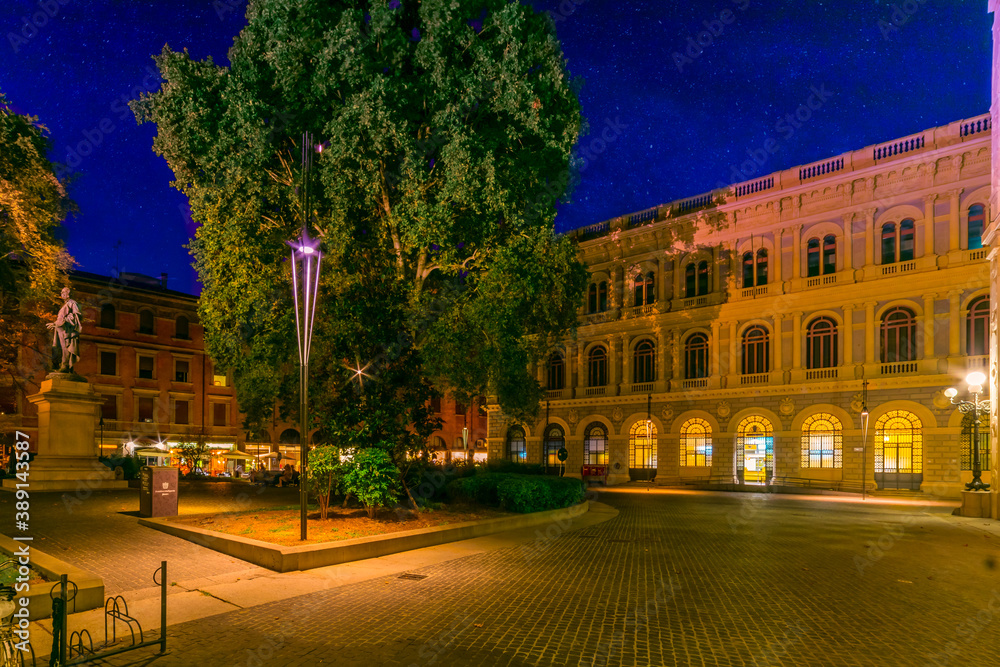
(741, 324)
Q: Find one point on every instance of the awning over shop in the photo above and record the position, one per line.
(152, 452)
(239, 456)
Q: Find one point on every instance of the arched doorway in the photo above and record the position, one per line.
(642, 451)
(899, 451)
(755, 451)
(554, 440)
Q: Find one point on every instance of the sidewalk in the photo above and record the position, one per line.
(200, 598)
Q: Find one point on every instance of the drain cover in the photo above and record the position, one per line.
(413, 577)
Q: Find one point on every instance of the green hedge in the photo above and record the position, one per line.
(517, 493)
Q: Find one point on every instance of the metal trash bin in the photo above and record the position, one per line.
(158, 491)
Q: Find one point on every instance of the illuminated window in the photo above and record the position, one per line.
(978, 327)
(556, 372)
(644, 362)
(977, 220)
(598, 367)
(899, 336)
(821, 343)
(642, 445)
(595, 445)
(696, 357)
(696, 443)
(755, 450)
(984, 441)
(822, 442)
(554, 441)
(756, 353)
(898, 443)
(516, 447)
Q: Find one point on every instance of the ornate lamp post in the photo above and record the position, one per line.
(975, 381)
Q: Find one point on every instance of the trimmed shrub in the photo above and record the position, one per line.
(517, 493)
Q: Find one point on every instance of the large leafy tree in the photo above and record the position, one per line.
(32, 261)
(446, 129)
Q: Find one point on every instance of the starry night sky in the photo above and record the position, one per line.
(679, 120)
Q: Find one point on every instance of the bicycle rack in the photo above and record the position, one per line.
(116, 609)
(76, 644)
(72, 650)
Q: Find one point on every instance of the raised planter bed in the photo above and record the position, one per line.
(91, 587)
(307, 557)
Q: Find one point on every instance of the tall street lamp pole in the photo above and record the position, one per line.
(307, 257)
(975, 381)
(864, 439)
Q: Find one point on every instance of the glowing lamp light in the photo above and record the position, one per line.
(975, 380)
(951, 392)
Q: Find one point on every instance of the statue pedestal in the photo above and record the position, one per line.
(67, 455)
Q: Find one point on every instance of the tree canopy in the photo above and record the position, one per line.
(445, 130)
(32, 261)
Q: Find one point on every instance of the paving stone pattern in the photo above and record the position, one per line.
(99, 531)
(674, 579)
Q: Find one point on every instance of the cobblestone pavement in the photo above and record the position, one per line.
(99, 531)
(675, 578)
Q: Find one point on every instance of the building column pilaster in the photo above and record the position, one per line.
(796, 251)
(929, 326)
(954, 197)
(871, 340)
(848, 241)
(869, 236)
(929, 201)
(848, 356)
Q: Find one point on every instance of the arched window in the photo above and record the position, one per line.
(829, 254)
(598, 367)
(690, 280)
(977, 220)
(592, 298)
(756, 356)
(638, 290)
(906, 240)
(555, 372)
(978, 327)
(755, 450)
(289, 436)
(984, 441)
(898, 450)
(554, 440)
(747, 269)
(642, 445)
(595, 445)
(822, 442)
(821, 343)
(602, 296)
(696, 443)
(702, 277)
(650, 288)
(644, 362)
(108, 319)
(696, 357)
(889, 243)
(516, 448)
(182, 327)
(762, 267)
(899, 335)
(146, 321)
(812, 258)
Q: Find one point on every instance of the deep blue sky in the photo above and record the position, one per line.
(680, 126)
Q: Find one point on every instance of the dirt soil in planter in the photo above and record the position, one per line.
(281, 526)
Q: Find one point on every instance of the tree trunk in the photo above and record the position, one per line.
(346, 496)
(413, 503)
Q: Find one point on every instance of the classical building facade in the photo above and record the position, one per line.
(736, 337)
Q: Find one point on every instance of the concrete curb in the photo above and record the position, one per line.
(90, 587)
(290, 559)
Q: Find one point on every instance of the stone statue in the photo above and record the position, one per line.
(66, 332)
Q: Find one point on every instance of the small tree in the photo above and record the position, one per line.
(373, 479)
(326, 475)
(192, 453)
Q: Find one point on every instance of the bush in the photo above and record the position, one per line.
(428, 483)
(517, 493)
(130, 464)
(373, 479)
(515, 467)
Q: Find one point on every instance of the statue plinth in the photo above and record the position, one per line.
(66, 458)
